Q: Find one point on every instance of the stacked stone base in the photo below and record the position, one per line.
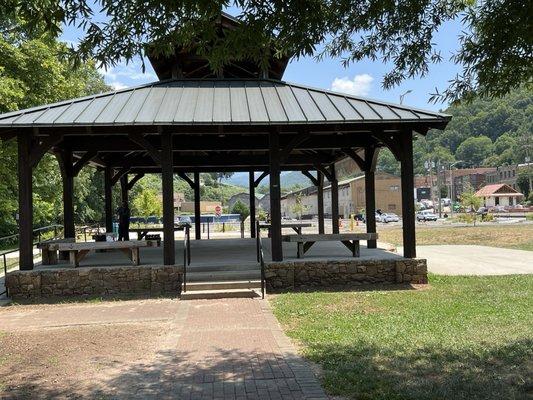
(302, 273)
(130, 281)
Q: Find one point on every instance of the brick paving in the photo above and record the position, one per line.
(235, 349)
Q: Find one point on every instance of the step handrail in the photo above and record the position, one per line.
(186, 254)
(260, 258)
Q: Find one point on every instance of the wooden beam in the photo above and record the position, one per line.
(356, 158)
(7, 136)
(40, 150)
(251, 186)
(371, 158)
(324, 170)
(241, 142)
(320, 201)
(124, 190)
(184, 176)
(295, 141)
(334, 200)
(275, 198)
(67, 174)
(119, 174)
(197, 213)
(108, 199)
(370, 205)
(169, 251)
(149, 147)
(260, 178)
(134, 180)
(392, 142)
(88, 156)
(313, 180)
(25, 212)
(408, 197)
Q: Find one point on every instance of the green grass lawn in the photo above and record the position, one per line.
(461, 338)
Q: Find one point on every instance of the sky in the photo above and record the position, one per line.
(362, 78)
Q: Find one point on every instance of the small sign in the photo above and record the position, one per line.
(218, 211)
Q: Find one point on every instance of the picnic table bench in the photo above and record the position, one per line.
(142, 232)
(296, 226)
(350, 240)
(48, 254)
(77, 251)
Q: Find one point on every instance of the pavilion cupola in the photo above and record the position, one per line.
(186, 63)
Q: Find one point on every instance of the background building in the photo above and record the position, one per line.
(351, 197)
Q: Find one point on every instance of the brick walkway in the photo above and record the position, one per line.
(235, 349)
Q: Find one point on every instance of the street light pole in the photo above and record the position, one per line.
(403, 95)
(451, 185)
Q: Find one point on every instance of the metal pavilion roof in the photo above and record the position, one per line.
(219, 102)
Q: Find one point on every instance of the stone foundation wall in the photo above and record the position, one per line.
(289, 275)
(95, 281)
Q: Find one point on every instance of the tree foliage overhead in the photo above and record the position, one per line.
(34, 71)
(496, 49)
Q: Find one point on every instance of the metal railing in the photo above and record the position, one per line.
(186, 254)
(222, 227)
(260, 258)
(38, 233)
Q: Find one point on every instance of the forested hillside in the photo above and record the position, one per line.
(485, 132)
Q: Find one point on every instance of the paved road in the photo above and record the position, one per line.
(475, 260)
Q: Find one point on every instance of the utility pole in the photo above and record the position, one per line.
(438, 188)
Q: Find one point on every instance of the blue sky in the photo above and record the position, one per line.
(362, 78)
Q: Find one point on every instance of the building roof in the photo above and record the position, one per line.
(498, 189)
(219, 102)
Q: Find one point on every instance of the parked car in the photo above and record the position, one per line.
(391, 217)
(153, 220)
(381, 217)
(426, 216)
(184, 220)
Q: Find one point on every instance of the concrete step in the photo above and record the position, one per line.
(222, 267)
(215, 276)
(220, 294)
(220, 285)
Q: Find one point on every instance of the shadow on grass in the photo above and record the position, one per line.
(363, 371)
(370, 287)
(223, 374)
(358, 372)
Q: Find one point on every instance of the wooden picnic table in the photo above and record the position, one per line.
(142, 232)
(350, 240)
(49, 255)
(77, 251)
(296, 226)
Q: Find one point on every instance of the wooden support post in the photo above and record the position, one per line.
(124, 189)
(251, 184)
(408, 197)
(167, 173)
(66, 165)
(108, 199)
(197, 213)
(320, 201)
(334, 200)
(370, 204)
(25, 144)
(275, 197)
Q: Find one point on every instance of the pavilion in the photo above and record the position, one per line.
(193, 120)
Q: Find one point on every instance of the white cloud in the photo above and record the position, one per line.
(117, 85)
(360, 85)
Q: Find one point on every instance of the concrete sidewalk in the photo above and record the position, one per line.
(475, 260)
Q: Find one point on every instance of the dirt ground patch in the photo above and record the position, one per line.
(87, 356)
